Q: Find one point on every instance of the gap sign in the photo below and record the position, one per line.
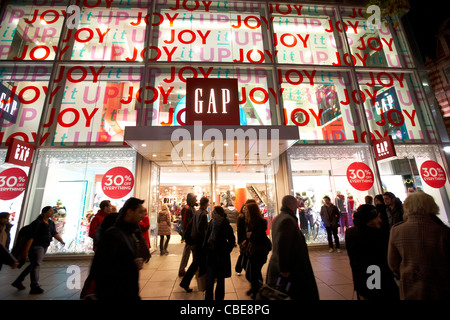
(19, 153)
(212, 101)
(384, 148)
(9, 104)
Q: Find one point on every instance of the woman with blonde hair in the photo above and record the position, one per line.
(419, 250)
(164, 228)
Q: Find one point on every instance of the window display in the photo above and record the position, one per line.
(12, 186)
(322, 171)
(412, 171)
(71, 182)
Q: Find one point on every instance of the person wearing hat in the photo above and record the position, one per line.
(367, 247)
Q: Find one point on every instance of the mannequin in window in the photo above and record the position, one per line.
(352, 205)
(308, 210)
(59, 216)
(340, 204)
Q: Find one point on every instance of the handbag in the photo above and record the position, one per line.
(201, 281)
(267, 292)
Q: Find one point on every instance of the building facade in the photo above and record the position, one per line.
(99, 89)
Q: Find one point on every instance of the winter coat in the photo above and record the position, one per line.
(367, 247)
(145, 225)
(164, 224)
(290, 254)
(113, 269)
(419, 253)
(395, 215)
(96, 221)
(259, 243)
(330, 216)
(219, 242)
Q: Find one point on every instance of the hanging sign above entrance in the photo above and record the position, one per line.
(360, 176)
(117, 182)
(212, 101)
(384, 148)
(19, 153)
(433, 174)
(12, 183)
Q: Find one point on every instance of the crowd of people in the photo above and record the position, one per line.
(396, 250)
(399, 250)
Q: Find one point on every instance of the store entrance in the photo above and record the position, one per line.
(225, 185)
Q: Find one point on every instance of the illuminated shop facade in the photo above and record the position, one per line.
(103, 98)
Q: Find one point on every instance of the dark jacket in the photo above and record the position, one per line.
(367, 247)
(199, 226)
(219, 242)
(381, 208)
(113, 269)
(290, 254)
(42, 232)
(330, 216)
(241, 229)
(259, 243)
(395, 215)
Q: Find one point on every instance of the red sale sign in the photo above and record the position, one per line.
(12, 183)
(360, 176)
(433, 174)
(117, 182)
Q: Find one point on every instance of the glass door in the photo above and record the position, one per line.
(154, 202)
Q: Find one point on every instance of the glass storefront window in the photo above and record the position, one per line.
(321, 171)
(115, 33)
(308, 34)
(31, 32)
(72, 182)
(395, 105)
(12, 190)
(407, 174)
(92, 105)
(22, 94)
(319, 103)
(370, 46)
(212, 31)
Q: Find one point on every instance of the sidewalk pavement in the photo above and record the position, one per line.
(159, 278)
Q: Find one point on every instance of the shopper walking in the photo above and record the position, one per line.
(394, 208)
(219, 242)
(367, 247)
(242, 240)
(258, 248)
(290, 259)
(330, 218)
(105, 209)
(119, 256)
(42, 230)
(186, 215)
(419, 251)
(198, 233)
(164, 229)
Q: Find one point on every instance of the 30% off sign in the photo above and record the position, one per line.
(117, 182)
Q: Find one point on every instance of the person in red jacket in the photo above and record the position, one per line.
(145, 225)
(105, 209)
